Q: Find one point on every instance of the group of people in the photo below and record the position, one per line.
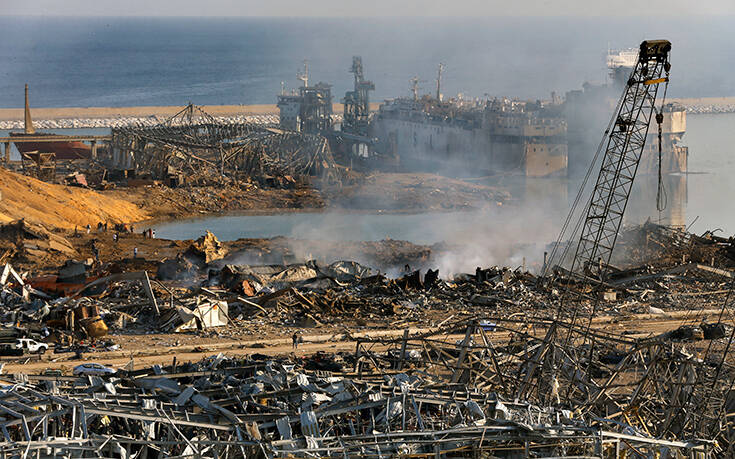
(149, 233)
(102, 228)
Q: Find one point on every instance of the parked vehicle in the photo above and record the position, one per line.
(29, 345)
(93, 369)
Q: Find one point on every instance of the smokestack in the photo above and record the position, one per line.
(28, 121)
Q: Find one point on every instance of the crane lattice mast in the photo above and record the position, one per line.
(604, 213)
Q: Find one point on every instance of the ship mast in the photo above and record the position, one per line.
(28, 121)
(439, 82)
(304, 76)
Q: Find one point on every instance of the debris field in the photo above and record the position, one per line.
(495, 363)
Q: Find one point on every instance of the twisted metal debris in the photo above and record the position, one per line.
(194, 143)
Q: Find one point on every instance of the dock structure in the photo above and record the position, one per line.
(56, 138)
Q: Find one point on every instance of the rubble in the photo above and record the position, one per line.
(123, 121)
(205, 250)
(490, 362)
(20, 239)
(280, 407)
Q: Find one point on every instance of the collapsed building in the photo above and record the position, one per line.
(481, 369)
(192, 147)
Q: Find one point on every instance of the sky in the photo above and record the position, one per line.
(344, 8)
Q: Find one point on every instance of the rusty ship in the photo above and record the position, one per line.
(61, 149)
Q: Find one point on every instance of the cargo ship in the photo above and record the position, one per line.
(475, 137)
(484, 137)
(61, 149)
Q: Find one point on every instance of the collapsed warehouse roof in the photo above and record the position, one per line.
(193, 144)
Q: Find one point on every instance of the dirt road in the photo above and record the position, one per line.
(635, 326)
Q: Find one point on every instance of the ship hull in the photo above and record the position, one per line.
(63, 149)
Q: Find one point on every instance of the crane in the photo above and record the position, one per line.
(625, 142)
(357, 102)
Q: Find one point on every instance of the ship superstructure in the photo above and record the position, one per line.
(310, 109)
(478, 136)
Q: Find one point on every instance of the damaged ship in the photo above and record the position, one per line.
(483, 137)
(490, 137)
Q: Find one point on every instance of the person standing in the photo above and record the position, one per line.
(135, 252)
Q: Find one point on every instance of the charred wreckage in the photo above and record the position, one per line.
(517, 366)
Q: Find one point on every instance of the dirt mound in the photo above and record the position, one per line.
(417, 192)
(59, 206)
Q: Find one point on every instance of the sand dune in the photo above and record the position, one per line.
(60, 206)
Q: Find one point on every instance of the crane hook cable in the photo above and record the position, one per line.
(661, 197)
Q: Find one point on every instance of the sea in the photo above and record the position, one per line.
(78, 62)
(82, 61)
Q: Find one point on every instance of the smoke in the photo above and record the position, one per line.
(460, 241)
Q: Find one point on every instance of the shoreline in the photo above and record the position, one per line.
(166, 111)
(112, 117)
(86, 113)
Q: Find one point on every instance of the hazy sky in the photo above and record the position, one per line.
(325, 8)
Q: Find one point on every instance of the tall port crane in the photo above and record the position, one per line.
(357, 102)
(625, 142)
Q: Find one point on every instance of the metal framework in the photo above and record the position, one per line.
(192, 142)
(620, 162)
(357, 102)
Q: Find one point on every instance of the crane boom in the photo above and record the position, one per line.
(604, 213)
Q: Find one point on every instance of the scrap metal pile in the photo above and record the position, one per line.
(194, 147)
(490, 364)
(419, 403)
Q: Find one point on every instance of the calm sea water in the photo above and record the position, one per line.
(139, 61)
(702, 199)
(711, 187)
(165, 61)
